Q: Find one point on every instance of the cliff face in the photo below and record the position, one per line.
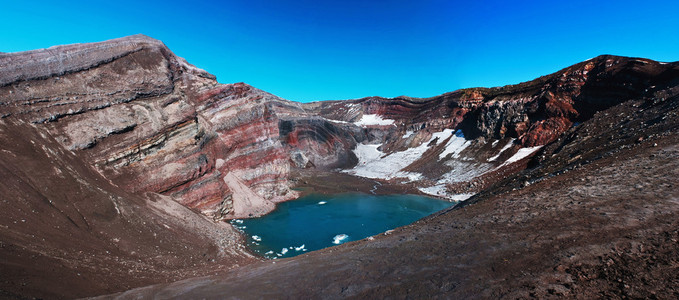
(149, 121)
(497, 127)
(535, 112)
(103, 140)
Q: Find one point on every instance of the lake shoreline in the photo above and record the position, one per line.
(327, 182)
(317, 221)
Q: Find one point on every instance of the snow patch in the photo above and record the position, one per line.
(455, 145)
(509, 144)
(440, 190)
(336, 121)
(460, 197)
(373, 163)
(521, 154)
(411, 176)
(408, 134)
(367, 120)
(436, 190)
(219, 163)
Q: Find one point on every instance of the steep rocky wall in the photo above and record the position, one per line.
(535, 112)
(497, 127)
(149, 121)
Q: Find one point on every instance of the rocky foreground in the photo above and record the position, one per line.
(121, 159)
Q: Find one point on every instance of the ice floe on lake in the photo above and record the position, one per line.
(340, 238)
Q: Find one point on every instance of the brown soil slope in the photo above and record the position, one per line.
(67, 232)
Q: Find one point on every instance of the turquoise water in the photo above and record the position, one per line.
(320, 221)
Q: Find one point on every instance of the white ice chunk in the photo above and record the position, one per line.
(338, 239)
(257, 238)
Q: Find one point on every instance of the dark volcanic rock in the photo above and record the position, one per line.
(536, 112)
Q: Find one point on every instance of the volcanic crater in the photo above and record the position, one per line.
(122, 163)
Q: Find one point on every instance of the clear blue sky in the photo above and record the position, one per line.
(321, 50)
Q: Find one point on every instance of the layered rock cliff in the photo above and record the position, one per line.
(149, 121)
(104, 139)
